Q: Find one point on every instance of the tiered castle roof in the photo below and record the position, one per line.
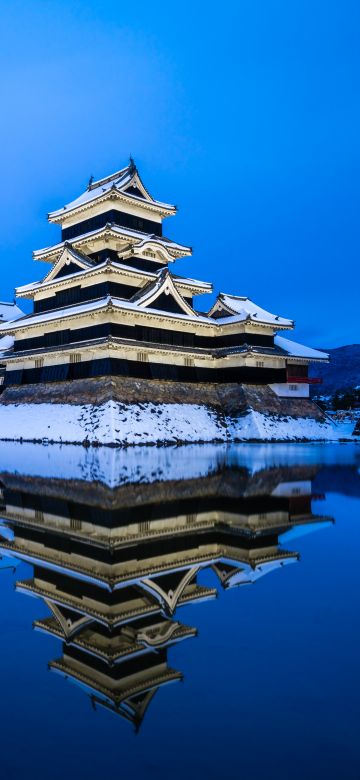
(110, 294)
(124, 186)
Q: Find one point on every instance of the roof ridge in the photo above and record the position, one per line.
(131, 232)
(237, 297)
(105, 179)
(145, 290)
(78, 253)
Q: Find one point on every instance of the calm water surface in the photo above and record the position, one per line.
(180, 612)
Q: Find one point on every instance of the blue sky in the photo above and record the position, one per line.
(246, 115)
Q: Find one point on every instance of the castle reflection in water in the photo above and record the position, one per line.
(118, 543)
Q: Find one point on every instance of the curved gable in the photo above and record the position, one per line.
(69, 262)
(164, 295)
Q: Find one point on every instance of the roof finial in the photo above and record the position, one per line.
(132, 166)
(90, 181)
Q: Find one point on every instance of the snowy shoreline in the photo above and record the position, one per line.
(115, 424)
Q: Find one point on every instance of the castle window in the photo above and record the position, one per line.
(259, 364)
(75, 357)
(293, 387)
(142, 357)
(39, 362)
(188, 361)
(75, 524)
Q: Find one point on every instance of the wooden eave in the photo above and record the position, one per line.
(121, 613)
(75, 312)
(304, 360)
(105, 304)
(139, 574)
(130, 345)
(145, 574)
(115, 232)
(221, 305)
(100, 539)
(253, 321)
(108, 267)
(120, 182)
(123, 647)
(142, 605)
(153, 681)
(151, 242)
(139, 251)
(51, 626)
(53, 558)
(112, 194)
(131, 172)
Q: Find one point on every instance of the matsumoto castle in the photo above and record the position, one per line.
(112, 305)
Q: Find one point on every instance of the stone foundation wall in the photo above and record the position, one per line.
(231, 399)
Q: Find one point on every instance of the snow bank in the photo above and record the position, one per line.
(110, 423)
(262, 427)
(118, 424)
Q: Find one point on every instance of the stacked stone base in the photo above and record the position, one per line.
(228, 398)
(118, 410)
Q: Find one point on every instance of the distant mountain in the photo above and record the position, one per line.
(342, 372)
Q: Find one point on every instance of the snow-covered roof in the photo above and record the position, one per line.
(240, 308)
(7, 342)
(293, 349)
(192, 282)
(183, 281)
(126, 183)
(137, 235)
(78, 256)
(290, 347)
(9, 311)
(164, 283)
(98, 305)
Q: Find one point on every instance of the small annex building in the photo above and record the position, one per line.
(111, 304)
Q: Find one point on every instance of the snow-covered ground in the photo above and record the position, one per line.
(123, 424)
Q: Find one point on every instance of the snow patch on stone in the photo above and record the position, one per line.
(262, 427)
(119, 424)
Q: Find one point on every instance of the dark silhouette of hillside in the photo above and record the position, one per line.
(341, 373)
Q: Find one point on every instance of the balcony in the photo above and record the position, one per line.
(305, 380)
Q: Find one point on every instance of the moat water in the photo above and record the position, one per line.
(196, 612)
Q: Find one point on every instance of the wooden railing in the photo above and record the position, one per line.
(305, 380)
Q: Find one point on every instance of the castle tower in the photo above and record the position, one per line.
(111, 304)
